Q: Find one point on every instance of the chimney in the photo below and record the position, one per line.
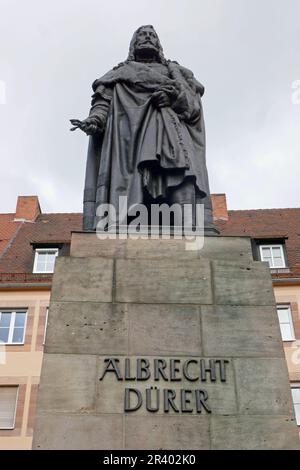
(219, 206)
(28, 208)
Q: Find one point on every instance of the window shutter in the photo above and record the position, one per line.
(8, 400)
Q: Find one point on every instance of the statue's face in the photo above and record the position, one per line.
(147, 39)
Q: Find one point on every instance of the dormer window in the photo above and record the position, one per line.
(271, 250)
(44, 260)
(273, 254)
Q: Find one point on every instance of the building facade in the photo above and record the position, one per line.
(29, 244)
(275, 235)
(30, 241)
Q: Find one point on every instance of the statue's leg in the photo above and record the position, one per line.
(182, 195)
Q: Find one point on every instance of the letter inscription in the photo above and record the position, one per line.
(159, 370)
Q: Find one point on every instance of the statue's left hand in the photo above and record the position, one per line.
(161, 99)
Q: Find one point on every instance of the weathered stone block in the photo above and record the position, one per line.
(68, 383)
(82, 279)
(73, 432)
(164, 329)
(242, 283)
(227, 248)
(89, 245)
(159, 249)
(163, 281)
(87, 328)
(167, 432)
(253, 433)
(262, 386)
(233, 331)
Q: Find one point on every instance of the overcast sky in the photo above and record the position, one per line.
(245, 52)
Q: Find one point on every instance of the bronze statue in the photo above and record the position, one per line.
(147, 136)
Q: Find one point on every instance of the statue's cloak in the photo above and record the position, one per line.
(144, 152)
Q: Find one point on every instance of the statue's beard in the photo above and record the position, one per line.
(146, 51)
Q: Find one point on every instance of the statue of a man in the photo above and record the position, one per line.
(147, 134)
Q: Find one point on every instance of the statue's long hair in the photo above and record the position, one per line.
(131, 54)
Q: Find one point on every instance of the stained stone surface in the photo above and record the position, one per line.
(231, 330)
(153, 299)
(69, 383)
(78, 432)
(261, 386)
(82, 280)
(241, 283)
(163, 281)
(87, 328)
(242, 432)
(168, 328)
(167, 432)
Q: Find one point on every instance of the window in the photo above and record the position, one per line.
(44, 260)
(296, 400)
(8, 402)
(273, 254)
(286, 322)
(12, 326)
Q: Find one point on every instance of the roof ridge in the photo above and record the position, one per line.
(61, 213)
(268, 209)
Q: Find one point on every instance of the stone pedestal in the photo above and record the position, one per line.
(199, 327)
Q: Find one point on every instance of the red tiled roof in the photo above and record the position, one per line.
(47, 228)
(268, 223)
(8, 229)
(16, 238)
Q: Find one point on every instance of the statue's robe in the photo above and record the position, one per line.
(144, 152)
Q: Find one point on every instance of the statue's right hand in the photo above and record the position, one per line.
(88, 126)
